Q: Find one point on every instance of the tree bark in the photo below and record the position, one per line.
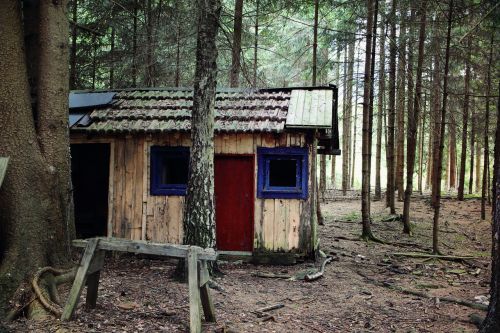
(465, 120)
(347, 120)
(134, 44)
(149, 75)
(355, 120)
(486, 159)
(452, 148)
(381, 100)
(371, 28)
(492, 320)
(199, 209)
(400, 120)
(234, 79)
(439, 146)
(413, 118)
(256, 44)
(35, 200)
(472, 147)
(72, 58)
(112, 56)
(392, 110)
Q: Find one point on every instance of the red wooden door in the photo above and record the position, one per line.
(234, 201)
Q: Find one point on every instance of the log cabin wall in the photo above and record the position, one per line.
(280, 225)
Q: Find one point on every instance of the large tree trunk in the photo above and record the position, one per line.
(392, 111)
(381, 100)
(355, 120)
(439, 146)
(234, 79)
(199, 209)
(486, 160)
(371, 28)
(465, 120)
(492, 320)
(35, 198)
(413, 118)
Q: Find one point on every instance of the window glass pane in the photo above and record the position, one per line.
(173, 169)
(283, 173)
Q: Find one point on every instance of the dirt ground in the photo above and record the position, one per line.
(140, 295)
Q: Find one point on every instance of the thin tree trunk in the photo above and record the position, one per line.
(486, 160)
(392, 111)
(234, 79)
(472, 147)
(134, 45)
(347, 120)
(413, 117)
(400, 120)
(72, 56)
(452, 148)
(178, 56)
(381, 93)
(94, 60)
(465, 119)
(371, 28)
(478, 161)
(256, 44)
(149, 75)
(440, 145)
(421, 147)
(355, 119)
(199, 209)
(112, 60)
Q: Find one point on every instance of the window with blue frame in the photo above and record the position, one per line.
(169, 170)
(282, 173)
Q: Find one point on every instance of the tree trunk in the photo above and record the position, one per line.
(35, 199)
(478, 160)
(413, 117)
(452, 148)
(421, 147)
(400, 120)
(234, 80)
(486, 161)
(178, 51)
(72, 57)
(347, 120)
(134, 45)
(112, 60)
(256, 44)
(472, 147)
(149, 75)
(392, 110)
(355, 120)
(465, 119)
(371, 28)
(199, 209)
(439, 146)
(381, 92)
(492, 320)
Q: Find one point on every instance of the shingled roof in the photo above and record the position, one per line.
(168, 110)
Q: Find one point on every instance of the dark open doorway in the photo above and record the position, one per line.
(90, 176)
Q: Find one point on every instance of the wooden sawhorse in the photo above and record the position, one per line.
(93, 259)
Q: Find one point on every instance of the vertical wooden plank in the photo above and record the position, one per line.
(119, 180)
(218, 144)
(206, 299)
(294, 224)
(130, 167)
(138, 188)
(111, 191)
(175, 211)
(194, 292)
(145, 188)
(268, 224)
(280, 225)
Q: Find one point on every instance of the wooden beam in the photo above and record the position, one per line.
(81, 276)
(145, 247)
(4, 161)
(194, 291)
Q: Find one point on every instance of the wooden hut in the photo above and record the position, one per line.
(130, 153)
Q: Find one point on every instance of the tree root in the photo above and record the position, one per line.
(453, 300)
(371, 238)
(44, 296)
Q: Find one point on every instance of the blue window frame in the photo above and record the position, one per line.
(282, 173)
(169, 170)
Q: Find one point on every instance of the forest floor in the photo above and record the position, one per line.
(140, 295)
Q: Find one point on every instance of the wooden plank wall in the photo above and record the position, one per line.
(280, 225)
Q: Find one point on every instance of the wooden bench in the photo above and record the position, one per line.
(93, 259)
